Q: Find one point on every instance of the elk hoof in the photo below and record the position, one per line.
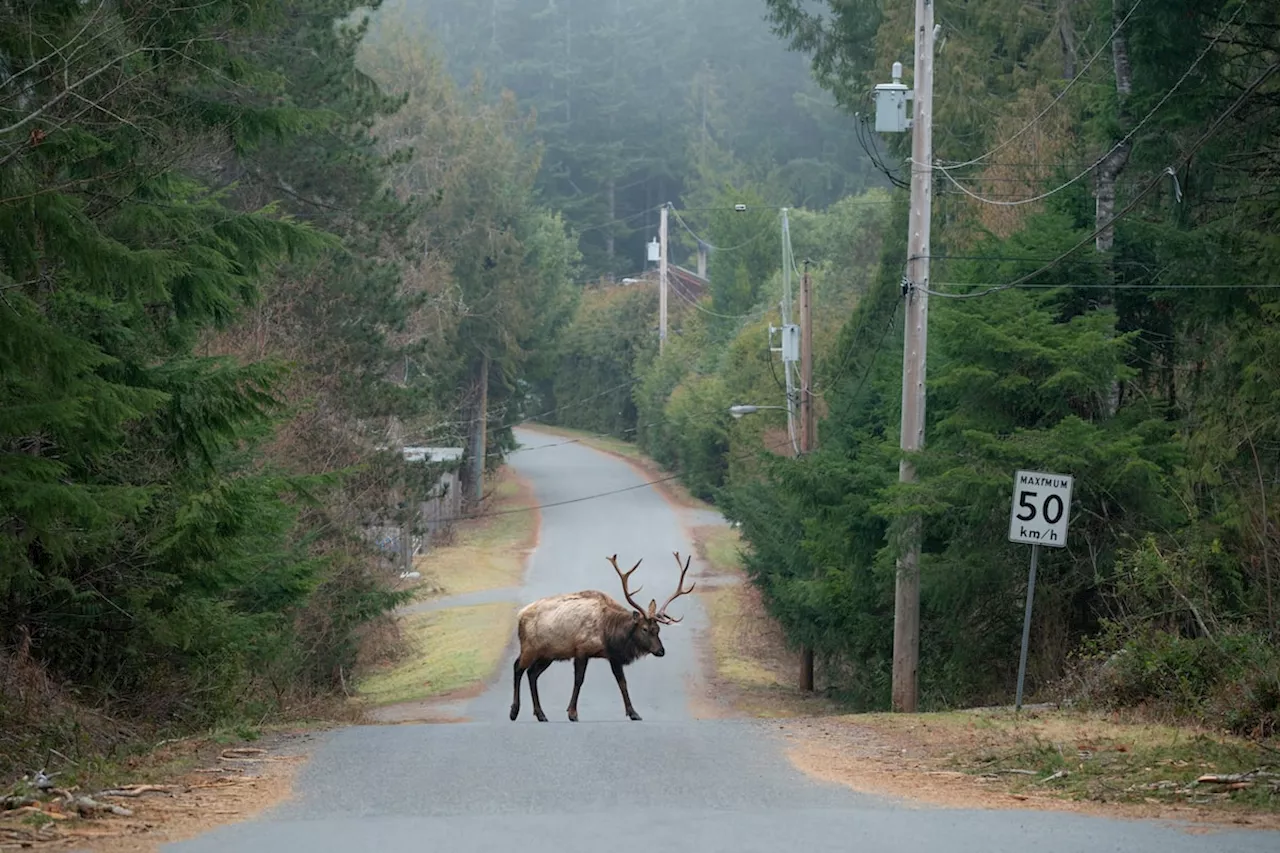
(633, 715)
(573, 716)
(515, 711)
(542, 718)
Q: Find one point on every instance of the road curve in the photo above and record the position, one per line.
(671, 782)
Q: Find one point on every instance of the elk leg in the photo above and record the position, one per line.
(537, 669)
(579, 673)
(622, 685)
(515, 701)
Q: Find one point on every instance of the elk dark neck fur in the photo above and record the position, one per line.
(619, 637)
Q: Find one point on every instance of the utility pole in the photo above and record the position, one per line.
(662, 278)
(808, 424)
(906, 604)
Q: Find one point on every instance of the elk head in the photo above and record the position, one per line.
(646, 622)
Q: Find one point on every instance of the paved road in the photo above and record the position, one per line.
(670, 782)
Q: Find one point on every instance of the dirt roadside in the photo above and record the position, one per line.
(173, 793)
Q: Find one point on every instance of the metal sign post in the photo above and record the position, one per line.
(1039, 516)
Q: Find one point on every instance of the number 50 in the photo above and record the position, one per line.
(1052, 515)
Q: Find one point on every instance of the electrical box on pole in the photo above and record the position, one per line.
(891, 104)
(791, 342)
(655, 251)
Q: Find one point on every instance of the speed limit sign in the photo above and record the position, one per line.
(1041, 509)
(1039, 515)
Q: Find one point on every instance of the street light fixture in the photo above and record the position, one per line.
(739, 411)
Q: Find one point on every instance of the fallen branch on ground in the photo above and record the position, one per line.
(39, 811)
(1232, 778)
(242, 751)
(138, 791)
(14, 801)
(89, 807)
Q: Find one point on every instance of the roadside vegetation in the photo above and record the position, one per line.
(753, 671)
(219, 326)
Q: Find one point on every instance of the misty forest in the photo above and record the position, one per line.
(251, 248)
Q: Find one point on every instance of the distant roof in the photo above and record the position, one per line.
(688, 282)
(435, 454)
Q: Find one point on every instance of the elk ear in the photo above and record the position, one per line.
(653, 608)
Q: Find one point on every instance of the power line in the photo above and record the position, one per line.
(1094, 286)
(679, 291)
(714, 248)
(617, 221)
(1052, 103)
(1035, 260)
(893, 317)
(444, 424)
(598, 495)
(1040, 197)
(1132, 205)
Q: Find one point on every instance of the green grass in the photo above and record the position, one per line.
(449, 650)
(487, 553)
(722, 548)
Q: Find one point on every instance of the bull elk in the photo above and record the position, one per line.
(579, 626)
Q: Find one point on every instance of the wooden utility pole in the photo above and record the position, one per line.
(906, 604)
(808, 424)
(662, 278)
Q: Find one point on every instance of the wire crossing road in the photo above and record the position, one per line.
(670, 782)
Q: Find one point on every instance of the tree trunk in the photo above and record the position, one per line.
(568, 66)
(479, 431)
(1067, 38)
(1110, 168)
(613, 215)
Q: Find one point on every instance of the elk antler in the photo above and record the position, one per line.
(626, 592)
(680, 590)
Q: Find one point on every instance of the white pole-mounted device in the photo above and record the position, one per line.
(891, 104)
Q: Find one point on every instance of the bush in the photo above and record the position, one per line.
(1229, 681)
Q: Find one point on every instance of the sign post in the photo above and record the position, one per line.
(1039, 516)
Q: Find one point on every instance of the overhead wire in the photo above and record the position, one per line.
(1079, 76)
(605, 494)
(945, 170)
(713, 247)
(1132, 205)
(693, 303)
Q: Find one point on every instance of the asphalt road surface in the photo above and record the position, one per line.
(670, 782)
